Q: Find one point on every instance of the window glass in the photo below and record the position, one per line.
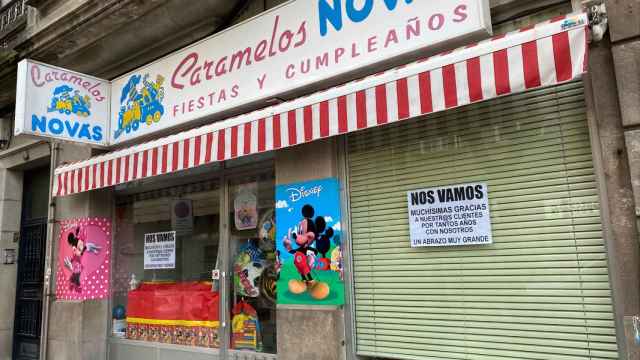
(253, 263)
(165, 250)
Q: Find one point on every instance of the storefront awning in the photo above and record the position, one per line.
(547, 54)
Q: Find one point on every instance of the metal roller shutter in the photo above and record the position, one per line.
(540, 291)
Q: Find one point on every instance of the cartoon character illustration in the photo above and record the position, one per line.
(248, 267)
(140, 104)
(323, 244)
(77, 240)
(64, 103)
(307, 232)
(267, 231)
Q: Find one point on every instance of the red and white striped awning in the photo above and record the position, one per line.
(543, 55)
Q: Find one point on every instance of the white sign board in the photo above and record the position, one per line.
(160, 250)
(450, 216)
(292, 46)
(57, 103)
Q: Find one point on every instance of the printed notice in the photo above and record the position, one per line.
(160, 250)
(450, 216)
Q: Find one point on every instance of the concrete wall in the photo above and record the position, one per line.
(78, 330)
(306, 332)
(613, 99)
(12, 164)
(10, 205)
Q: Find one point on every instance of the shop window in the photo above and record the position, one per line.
(170, 246)
(254, 264)
(166, 246)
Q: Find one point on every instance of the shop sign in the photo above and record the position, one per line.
(309, 243)
(56, 103)
(450, 216)
(295, 45)
(160, 250)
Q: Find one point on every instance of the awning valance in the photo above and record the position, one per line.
(547, 54)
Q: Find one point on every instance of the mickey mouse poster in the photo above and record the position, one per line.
(308, 235)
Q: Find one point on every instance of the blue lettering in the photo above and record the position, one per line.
(97, 133)
(391, 4)
(38, 124)
(359, 15)
(84, 132)
(55, 126)
(72, 130)
(331, 14)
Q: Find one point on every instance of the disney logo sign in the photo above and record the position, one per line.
(295, 194)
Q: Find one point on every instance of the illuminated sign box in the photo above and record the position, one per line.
(56, 103)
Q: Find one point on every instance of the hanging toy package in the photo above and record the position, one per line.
(248, 266)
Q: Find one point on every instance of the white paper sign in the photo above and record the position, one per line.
(56, 103)
(160, 250)
(292, 46)
(450, 216)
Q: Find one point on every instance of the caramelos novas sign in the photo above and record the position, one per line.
(293, 46)
(57, 103)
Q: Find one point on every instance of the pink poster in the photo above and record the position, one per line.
(84, 259)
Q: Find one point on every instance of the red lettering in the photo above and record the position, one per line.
(290, 73)
(436, 22)
(221, 66)
(287, 36)
(189, 61)
(339, 53)
(460, 13)
(272, 52)
(207, 70)
(392, 36)
(195, 76)
(372, 44)
(260, 49)
(302, 31)
(354, 50)
(35, 76)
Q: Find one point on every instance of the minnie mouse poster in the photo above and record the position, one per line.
(77, 240)
(83, 259)
(308, 226)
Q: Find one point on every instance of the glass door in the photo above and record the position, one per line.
(167, 246)
(252, 266)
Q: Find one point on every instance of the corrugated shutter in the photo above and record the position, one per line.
(541, 291)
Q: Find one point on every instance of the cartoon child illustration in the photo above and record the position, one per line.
(77, 240)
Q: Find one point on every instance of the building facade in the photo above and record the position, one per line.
(559, 279)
